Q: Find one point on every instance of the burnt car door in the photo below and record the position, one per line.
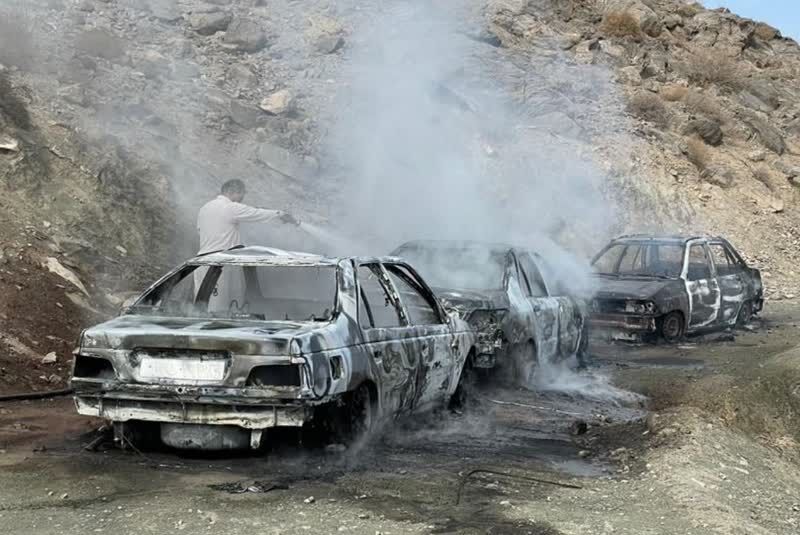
(430, 344)
(385, 330)
(731, 282)
(544, 309)
(701, 285)
(570, 319)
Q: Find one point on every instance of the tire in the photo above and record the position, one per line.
(525, 361)
(138, 435)
(583, 356)
(463, 393)
(672, 327)
(343, 421)
(745, 315)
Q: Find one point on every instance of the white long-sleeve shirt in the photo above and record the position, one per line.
(218, 222)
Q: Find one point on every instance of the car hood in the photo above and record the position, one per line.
(207, 334)
(631, 287)
(469, 300)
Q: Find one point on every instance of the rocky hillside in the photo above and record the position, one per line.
(118, 118)
(715, 100)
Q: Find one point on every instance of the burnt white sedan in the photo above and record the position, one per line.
(232, 344)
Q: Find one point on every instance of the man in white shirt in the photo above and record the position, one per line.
(218, 220)
(218, 225)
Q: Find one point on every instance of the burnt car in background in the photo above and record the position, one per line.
(521, 315)
(234, 343)
(671, 286)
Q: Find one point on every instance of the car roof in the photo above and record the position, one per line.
(456, 244)
(270, 256)
(664, 238)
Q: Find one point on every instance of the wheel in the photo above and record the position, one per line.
(583, 356)
(343, 421)
(672, 327)
(745, 314)
(137, 435)
(361, 413)
(524, 360)
(466, 384)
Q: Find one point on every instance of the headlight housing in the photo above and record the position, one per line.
(483, 319)
(640, 307)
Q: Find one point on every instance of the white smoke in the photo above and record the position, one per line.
(440, 136)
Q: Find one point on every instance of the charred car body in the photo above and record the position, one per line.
(671, 286)
(521, 315)
(233, 343)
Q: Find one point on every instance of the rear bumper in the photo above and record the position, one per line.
(246, 417)
(248, 408)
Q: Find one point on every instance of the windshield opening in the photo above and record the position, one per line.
(660, 260)
(270, 293)
(467, 268)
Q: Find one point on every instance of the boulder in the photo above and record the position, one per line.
(769, 136)
(672, 21)
(242, 75)
(245, 115)
(245, 36)
(278, 103)
(708, 130)
(652, 26)
(327, 43)
(210, 23)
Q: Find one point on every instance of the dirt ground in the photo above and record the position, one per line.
(707, 453)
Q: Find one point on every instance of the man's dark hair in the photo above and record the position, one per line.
(233, 186)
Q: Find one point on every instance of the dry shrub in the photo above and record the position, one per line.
(673, 93)
(621, 24)
(699, 104)
(698, 153)
(689, 10)
(649, 107)
(706, 68)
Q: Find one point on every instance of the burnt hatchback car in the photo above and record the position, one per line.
(666, 287)
(234, 343)
(522, 316)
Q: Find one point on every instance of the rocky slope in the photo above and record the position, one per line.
(118, 118)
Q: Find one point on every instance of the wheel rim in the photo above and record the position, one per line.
(672, 327)
(744, 314)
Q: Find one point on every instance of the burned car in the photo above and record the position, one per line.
(671, 286)
(522, 317)
(234, 343)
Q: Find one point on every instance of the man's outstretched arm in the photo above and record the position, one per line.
(250, 214)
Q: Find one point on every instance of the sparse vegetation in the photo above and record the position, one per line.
(674, 93)
(701, 104)
(689, 10)
(765, 32)
(706, 68)
(698, 153)
(621, 24)
(649, 107)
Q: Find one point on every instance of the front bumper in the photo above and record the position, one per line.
(621, 325)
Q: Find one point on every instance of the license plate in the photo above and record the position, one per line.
(182, 369)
